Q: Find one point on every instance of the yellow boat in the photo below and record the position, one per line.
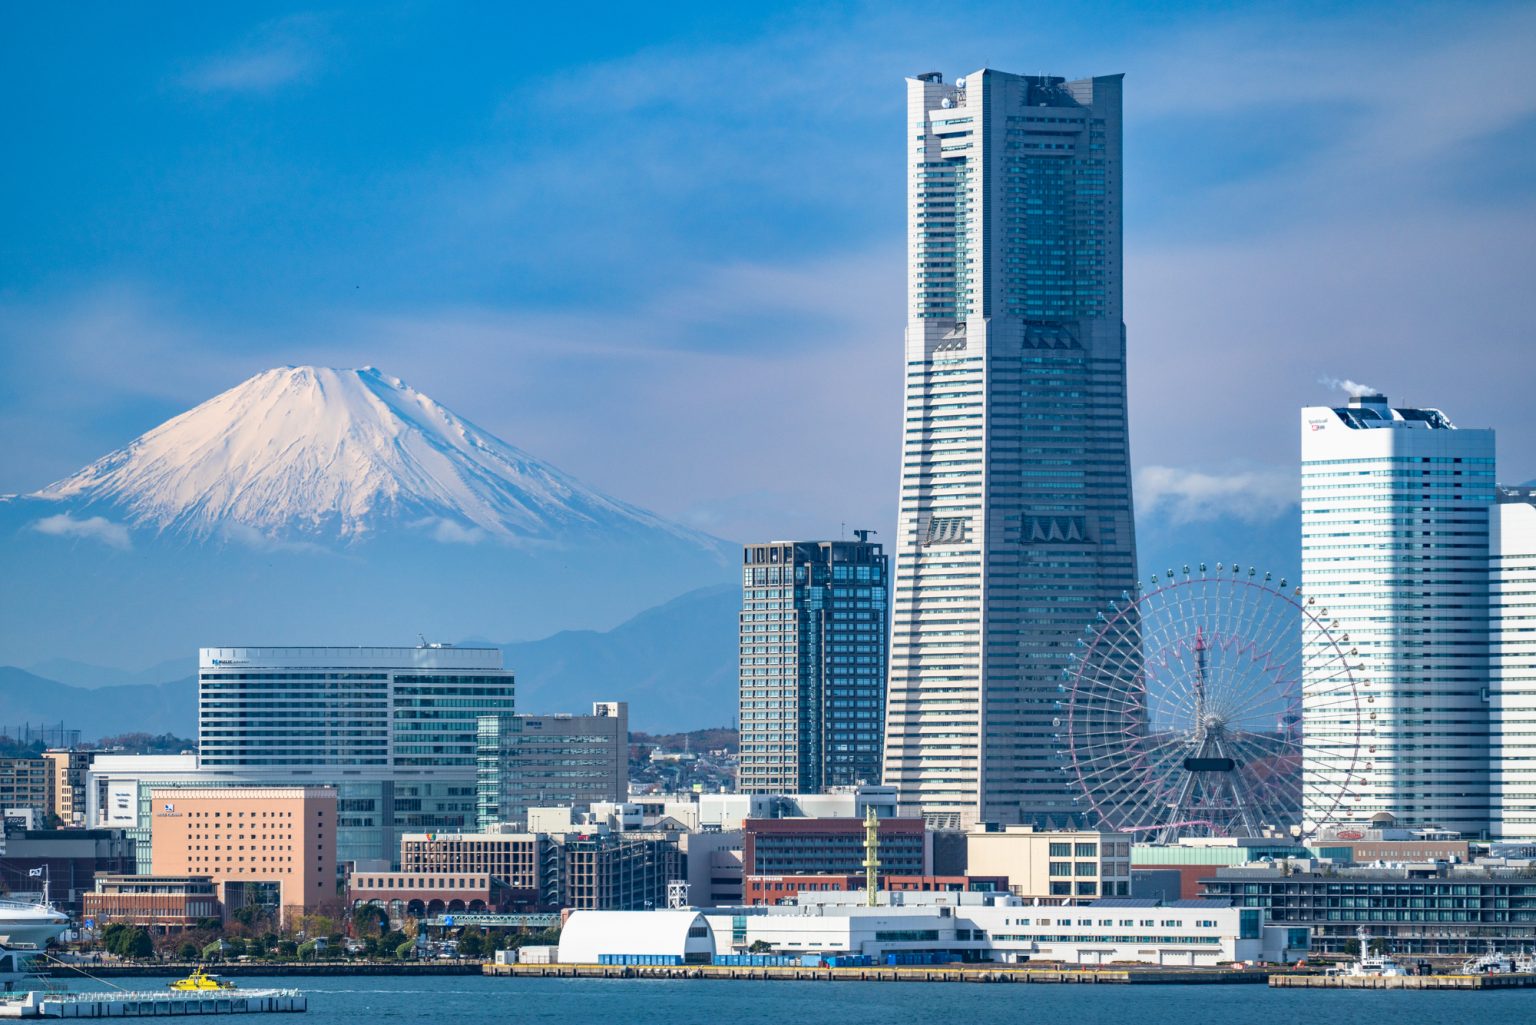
(199, 981)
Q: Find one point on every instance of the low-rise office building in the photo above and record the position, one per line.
(69, 860)
(1062, 866)
(970, 927)
(619, 871)
(833, 846)
(27, 784)
(597, 870)
(1415, 909)
(520, 860)
(1195, 859)
(781, 889)
(535, 761)
(419, 894)
(162, 904)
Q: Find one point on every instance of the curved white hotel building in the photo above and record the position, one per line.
(1394, 544)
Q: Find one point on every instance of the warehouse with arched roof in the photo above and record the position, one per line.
(588, 935)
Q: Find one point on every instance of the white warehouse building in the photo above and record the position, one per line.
(973, 927)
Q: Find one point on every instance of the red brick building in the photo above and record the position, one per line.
(776, 889)
(432, 893)
(800, 847)
(163, 904)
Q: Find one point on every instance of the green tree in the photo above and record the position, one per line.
(1352, 948)
(369, 920)
(471, 944)
(213, 951)
(404, 950)
(139, 944)
(235, 947)
(109, 934)
(760, 947)
(190, 952)
(306, 950)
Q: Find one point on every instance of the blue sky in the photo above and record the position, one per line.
(661, 245)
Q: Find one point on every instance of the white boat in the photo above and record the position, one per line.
(27, 923)
(1368, 964)
(1494, 963)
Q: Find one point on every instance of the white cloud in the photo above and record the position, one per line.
(1354, 388)
(249, 537)
(1191, 496)
(94, 528)
(449, 532)
(277, 54)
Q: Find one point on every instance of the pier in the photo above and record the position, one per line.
(1466, 982)
(128, 1004)
(933, 973)
(231, 969)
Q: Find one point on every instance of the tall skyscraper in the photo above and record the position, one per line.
(1015, 524)
(1512, 597)
(1394, 545)
(813, 644)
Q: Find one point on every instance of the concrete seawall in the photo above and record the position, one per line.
(1467, 982)
(967, 973)
(266, 968)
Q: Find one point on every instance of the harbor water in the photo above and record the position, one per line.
(473, 1000)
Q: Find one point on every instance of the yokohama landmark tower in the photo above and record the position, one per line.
(1015, 521)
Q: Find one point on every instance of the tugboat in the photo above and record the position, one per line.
(200, 981)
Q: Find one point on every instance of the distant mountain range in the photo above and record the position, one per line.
(675, 665)
(311, 505)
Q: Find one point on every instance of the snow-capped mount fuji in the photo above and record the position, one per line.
(321, 453)
(313, 506)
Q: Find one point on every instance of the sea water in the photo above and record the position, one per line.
(479, 1000)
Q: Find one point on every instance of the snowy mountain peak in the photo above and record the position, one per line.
(327, 453)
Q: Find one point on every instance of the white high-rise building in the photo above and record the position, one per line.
(1394, 546)
(1512, 597)
(1015, 524)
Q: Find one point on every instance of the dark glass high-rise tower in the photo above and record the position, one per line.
(1015, 523)
(813, 643)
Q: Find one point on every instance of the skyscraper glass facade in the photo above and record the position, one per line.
(379, 708)
(1015, 519)
(813, 658)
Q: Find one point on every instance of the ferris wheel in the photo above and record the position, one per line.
(1192, 707)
